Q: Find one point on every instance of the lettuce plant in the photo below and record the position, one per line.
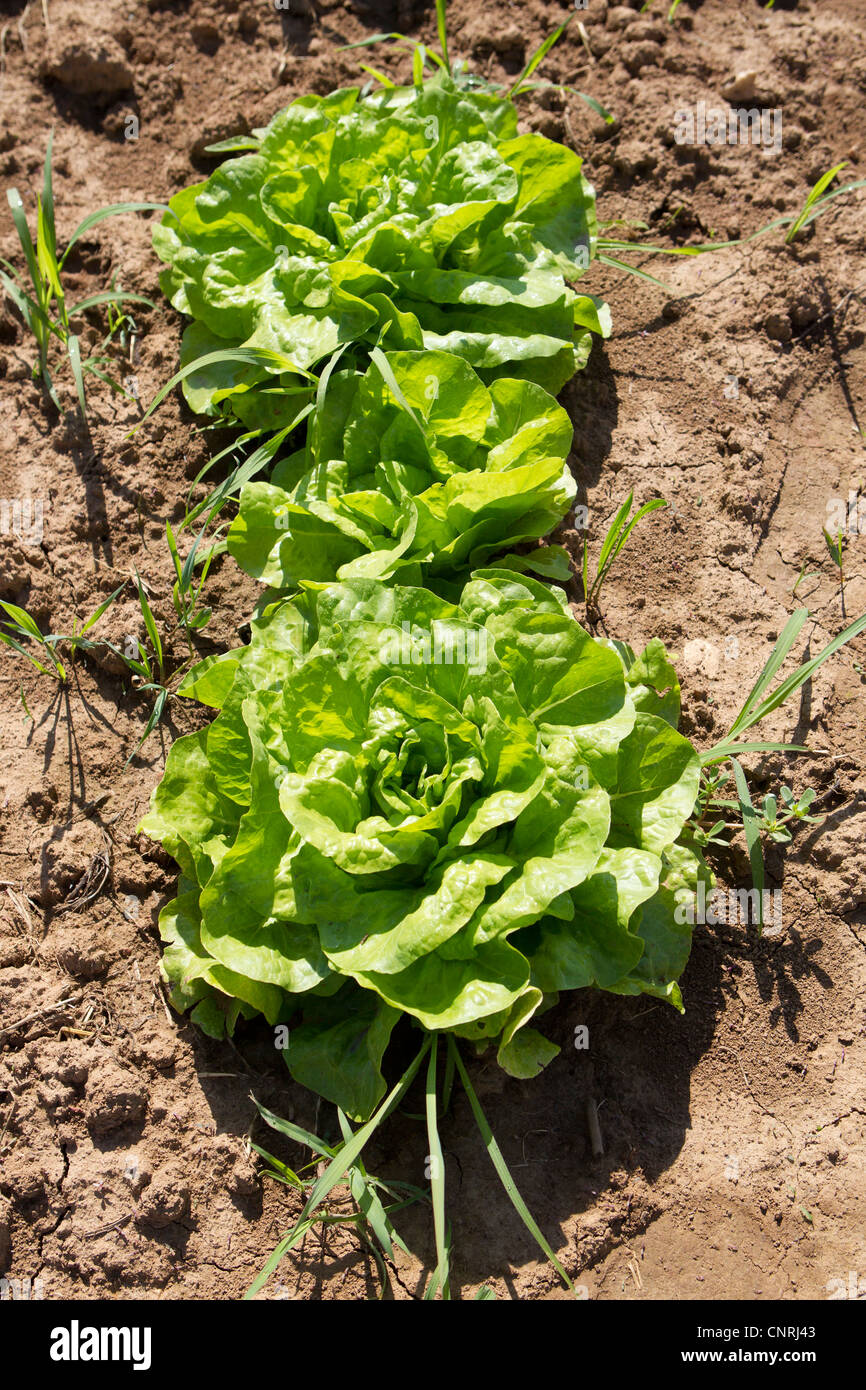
(413, 218)
(414, 469)
(449, 811)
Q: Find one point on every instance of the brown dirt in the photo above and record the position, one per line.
(733, 1136)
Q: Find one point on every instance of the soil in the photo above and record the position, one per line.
(733, 1160)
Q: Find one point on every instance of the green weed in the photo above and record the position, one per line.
(43, 304)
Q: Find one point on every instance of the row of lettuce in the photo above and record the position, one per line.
(427, 792)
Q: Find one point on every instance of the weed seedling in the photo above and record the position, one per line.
(23, 625)
(19, 627)
(371, 1218)
(421, 54)
(185, 595)
(77, 638)
(771, 821)
(836, 549)
(802, 577)
(816, 204)
(818, 199)
(758, 705)
(152, 632)
(618, 533)
(43, 305)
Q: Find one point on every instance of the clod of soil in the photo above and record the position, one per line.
(165, 1199)
(90, 65)
(114, 1098)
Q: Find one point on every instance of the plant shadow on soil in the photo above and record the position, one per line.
(593, 408)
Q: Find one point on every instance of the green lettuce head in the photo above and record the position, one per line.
(413, 218)
(451, 811)
(414, 470)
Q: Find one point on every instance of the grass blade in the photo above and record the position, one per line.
(22, 301)
(442, 28)
(26, 305)
(609, 118)
(49, 387)
(501, 1167)
(106, 604)
(821, 204)
(384, 1276)
(434, 1282)
(293, 1131)
(172, 546)
(437, 1174)
(368, 1200)
(594, 105)
(275, 362)
(539, 55)
(803, 674)
(214, 459)
(19, 217)
(217, 499)
(612, 244)
(381, 361)
(115, 386)
(48, 201)
(281, 1171)
(109, 297)
(375, 38)
(11, 642)
(149, 622)
(351, 1151)
(22, 619)
(777, 657)
(137, 667)
(46, 233)
(634, 270)
(379, 76)
(321, 392)
(613, 531)
(448, 1083)
(114, 210)
(155, 716)
(620, 539)
(74, 351)
(722, 751)
(815, 193)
